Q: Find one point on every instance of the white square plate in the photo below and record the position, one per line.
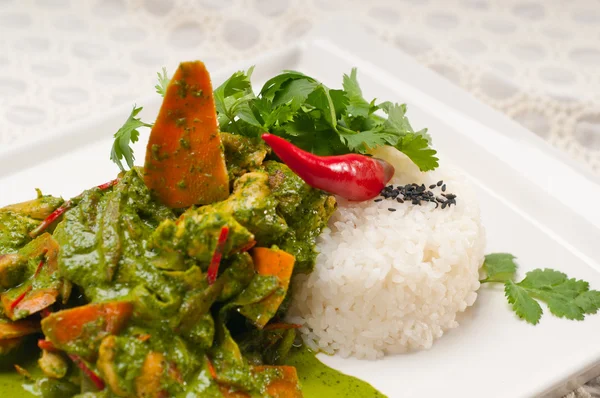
(536, 204)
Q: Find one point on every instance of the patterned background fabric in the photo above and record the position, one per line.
(536, 61)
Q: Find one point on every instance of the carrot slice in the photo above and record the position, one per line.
(29, 302)
(86, 324)
(274, 262)
(185, 164)
(149, 382)
(9, 330)
(286, 386)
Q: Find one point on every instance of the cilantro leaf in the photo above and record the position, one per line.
(362, 141)
(318, 119)
(543, 278)
(565, 308)
(163, 82)
(565, 297)
(357, 105)
(295, 93)
(524, 306)
(499, 267)
(417, 149)
(124, 136)
(589, 301)
(273, 85)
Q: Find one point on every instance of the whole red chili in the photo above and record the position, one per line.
(352, 176)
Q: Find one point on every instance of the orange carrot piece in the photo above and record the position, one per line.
(185, 164)
(287, 386)
(148, 383)
(66, 326)
(33, 302)
(24, 327)
(270, 262)
(274, 262)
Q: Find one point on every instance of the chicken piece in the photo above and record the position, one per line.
(14, 231)
(196, 233)
(253, 206)
(37, 209)
(306, 210)
(243, 154)
(53, 364)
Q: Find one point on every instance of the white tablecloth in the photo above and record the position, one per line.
(537, 61)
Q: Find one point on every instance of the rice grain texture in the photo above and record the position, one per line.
(391, 282)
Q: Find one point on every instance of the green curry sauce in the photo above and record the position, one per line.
(158, 325)
(317, 379)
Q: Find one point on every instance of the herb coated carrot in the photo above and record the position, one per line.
(149, 382)
(274, 262)
(286, 386)
(185, 164)
(88, 323)
(24, 327)
(29, 302)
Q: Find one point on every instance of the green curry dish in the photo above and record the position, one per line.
(253, 206)
(306, 211)
(196, 234)
(36, 209)
(19, 219)
(14, 231)
(104, 248)
(243, 154)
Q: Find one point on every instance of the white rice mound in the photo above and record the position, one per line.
(391, 282)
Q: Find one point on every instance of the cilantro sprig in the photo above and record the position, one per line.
(565, 297)
(163, 82)
(316, 118)
(125, 136)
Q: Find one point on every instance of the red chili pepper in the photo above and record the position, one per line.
(352, 176)
(62, 209)
(20, 298)
(282, 326)
(47, 345)
(211, 369)
(213, 268)
(41, 264)
(88, 372)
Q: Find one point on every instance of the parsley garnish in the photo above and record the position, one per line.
(163, 82)
(127, 134)
(565, 297)
(319, 119)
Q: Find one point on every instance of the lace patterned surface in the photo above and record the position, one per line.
(535, 60)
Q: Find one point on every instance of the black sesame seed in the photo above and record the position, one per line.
(400, 200)
(432, 186)
(416, 202)
(444, 205)
(439, 183)
(378, 200)
(391, 209)
(444, 188)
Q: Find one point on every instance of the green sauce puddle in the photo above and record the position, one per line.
(319, 380)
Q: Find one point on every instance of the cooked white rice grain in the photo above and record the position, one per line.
(390, 282)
